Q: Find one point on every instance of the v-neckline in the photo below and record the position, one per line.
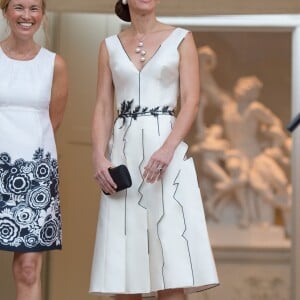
(129, 58)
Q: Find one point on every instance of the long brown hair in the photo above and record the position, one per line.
(4, 5)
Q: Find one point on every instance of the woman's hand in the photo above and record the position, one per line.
(157, 165)
(103, 177)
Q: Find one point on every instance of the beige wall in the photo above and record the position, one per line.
(6, 281)
(187, 7)
(77, 38)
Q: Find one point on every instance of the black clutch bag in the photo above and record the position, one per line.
(121, 177)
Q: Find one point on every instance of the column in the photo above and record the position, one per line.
(295, 263)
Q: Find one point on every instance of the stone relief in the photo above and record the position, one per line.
(259, 288)
(244, 153)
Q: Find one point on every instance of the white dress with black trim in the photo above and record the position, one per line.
(29, 200)
(150, 237)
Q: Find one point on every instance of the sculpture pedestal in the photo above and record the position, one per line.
(256, 236)
(252, 263)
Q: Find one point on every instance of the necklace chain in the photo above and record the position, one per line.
(140, 48)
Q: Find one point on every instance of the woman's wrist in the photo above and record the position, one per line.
(98, 156)
(170, 146)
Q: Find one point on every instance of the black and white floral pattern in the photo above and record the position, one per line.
(29, 203)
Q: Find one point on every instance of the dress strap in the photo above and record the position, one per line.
(112, 42)
(177, 36)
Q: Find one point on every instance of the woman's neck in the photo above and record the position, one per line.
(16, 48)
(144, 24)
(19, 46)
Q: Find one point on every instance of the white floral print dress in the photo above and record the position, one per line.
(30, 217)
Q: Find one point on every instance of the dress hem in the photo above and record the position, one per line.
(28, 250)
(187, 290)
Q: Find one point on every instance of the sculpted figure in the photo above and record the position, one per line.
(256, 177)
(212, 150)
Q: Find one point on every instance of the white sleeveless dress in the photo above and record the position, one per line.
(29, 200)
(150, 237)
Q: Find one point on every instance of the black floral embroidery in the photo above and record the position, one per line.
(128, 111)
(29, 203)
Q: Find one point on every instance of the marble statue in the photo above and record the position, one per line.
(244, 151)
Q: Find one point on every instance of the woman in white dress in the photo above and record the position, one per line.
(33, 93)
(151, 237)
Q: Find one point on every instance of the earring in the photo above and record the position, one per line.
(124, 2)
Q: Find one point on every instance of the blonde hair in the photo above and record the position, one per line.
(4, 5)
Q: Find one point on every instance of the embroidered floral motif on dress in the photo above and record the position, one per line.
(127, 110)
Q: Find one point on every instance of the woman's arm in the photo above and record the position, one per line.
(59, 92)
(189, 95)
(103, 121)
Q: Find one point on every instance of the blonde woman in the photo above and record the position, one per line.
(33, 94)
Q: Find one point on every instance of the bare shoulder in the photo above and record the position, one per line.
(189, 37)
(188, 42)
(103, 52)
(60, 64)
(188, 49)
(102, 45)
